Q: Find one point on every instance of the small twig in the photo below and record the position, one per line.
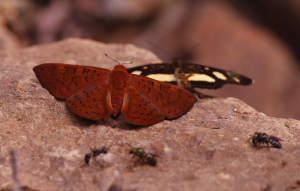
(15, 169)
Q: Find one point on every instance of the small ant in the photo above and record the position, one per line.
(147, 155)
(261, 138)
(93, 154)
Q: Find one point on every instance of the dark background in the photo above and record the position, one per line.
(257, 38)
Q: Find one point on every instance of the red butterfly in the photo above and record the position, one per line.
(96, 93)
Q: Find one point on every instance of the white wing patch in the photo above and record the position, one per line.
(219, 75)
(163, 77)
(236, 79)
(137, 72)
(201, 77)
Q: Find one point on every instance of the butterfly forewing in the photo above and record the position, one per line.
(145, 70)
(63, 80)
(202, 76)
(212, 78)
(171, 100)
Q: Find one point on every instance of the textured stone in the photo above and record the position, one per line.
(206, 149)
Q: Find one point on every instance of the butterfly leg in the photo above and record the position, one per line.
(201, 95)
(267, 142)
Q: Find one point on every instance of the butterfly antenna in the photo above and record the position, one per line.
(188, 50)
(159, 48)
(117, 60)
(113, 59)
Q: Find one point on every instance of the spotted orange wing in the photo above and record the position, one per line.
(64, 80)
(85, 88)
(88, 92)
(149, 101)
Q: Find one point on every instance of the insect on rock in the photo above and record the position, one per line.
(262, 138)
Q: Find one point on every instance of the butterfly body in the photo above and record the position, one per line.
(96, 93)
(119, 79)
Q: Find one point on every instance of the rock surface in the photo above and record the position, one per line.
(206, 149)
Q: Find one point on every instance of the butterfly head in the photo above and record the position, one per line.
(120, 68)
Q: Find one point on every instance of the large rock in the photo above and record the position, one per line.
(206, 149)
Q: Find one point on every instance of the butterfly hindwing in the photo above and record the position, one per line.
(63, 80)
(92, 103)
(139, 110)
(147, 96)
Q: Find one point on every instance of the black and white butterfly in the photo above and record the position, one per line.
(190, 75)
